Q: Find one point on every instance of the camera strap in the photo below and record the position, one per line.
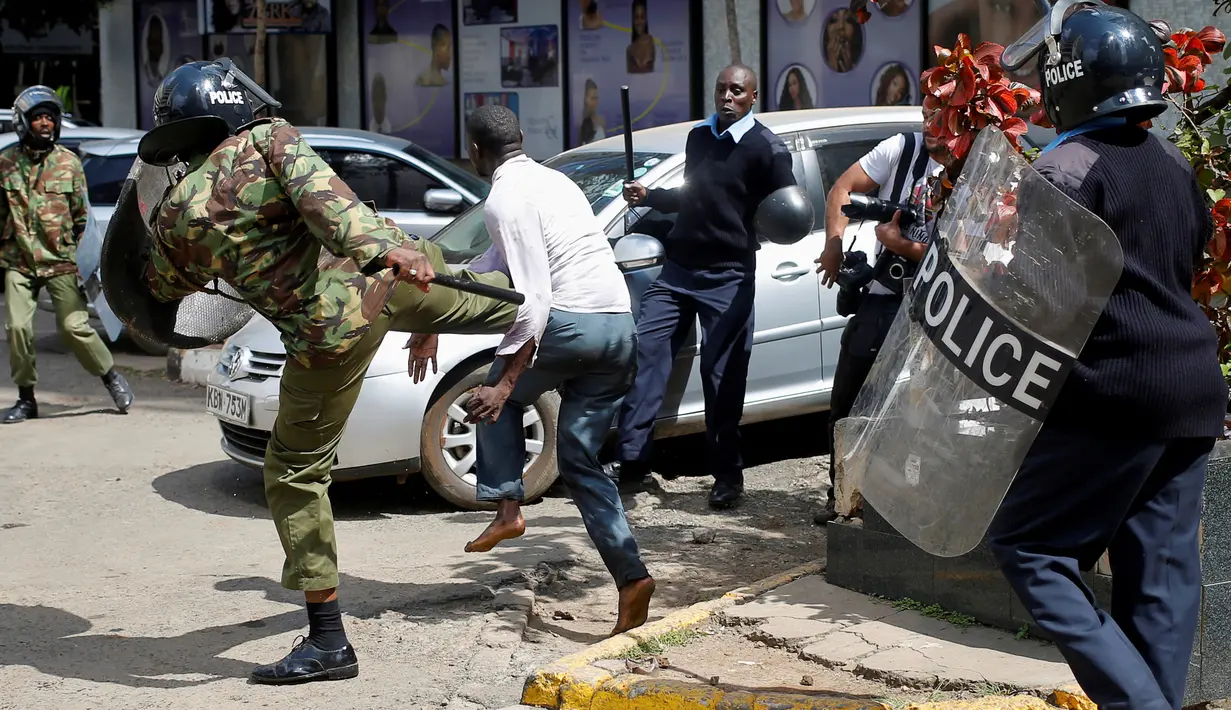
(886, 273)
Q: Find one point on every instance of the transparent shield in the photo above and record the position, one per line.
(999, 310)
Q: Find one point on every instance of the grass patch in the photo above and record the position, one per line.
(899, 701)
(657, 645)
(935, 611)
(1023, 633)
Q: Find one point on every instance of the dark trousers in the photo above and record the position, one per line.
(1076, 496)
(722, 301)
(861, 340)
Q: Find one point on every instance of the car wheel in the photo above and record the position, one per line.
(449, 446)
(147, 346)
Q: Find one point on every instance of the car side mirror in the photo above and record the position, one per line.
(634, 252)
(442, 200)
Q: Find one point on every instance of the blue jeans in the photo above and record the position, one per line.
(590, 359)
(1076, 496)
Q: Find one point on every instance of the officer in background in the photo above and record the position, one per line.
(257, 207)
(43, 216)
(905, 169)
(732, 163)
(1119, 464)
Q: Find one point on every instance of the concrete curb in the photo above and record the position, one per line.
(572, 683)
(580, 682)
(192, 366)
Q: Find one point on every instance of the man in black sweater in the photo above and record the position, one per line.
(1119, 464)
(732, 162)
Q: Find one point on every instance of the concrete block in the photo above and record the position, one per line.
(790, 633)
(810, 599)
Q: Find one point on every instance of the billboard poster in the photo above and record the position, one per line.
(821, 57)
(643, 44)
(239, 16)
(408, 72)
(509, 53)
(167, 38)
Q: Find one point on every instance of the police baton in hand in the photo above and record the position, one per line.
(478, 289)
(628, 134)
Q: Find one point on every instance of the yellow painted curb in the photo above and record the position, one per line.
(633, 693)
(1071, 697)
(1016, 702)
(571, 683)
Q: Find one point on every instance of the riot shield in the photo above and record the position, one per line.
(993, 321)
(204, 318)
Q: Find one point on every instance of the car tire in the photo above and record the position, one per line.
(147, 346)
(450, 470)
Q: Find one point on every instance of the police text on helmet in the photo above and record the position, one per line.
(226, 97)
(1064, 72)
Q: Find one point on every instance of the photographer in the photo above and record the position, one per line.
(904, 171)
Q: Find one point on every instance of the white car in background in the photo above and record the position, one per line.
(398, 428)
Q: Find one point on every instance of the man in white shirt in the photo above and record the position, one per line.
(575, 332)
(906, 169)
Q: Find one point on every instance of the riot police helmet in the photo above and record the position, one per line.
(199, 105)
(1094, 60)
(785, 216)
(30, 103)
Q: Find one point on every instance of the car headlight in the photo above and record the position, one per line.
(229, 353)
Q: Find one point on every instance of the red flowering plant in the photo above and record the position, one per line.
(1203, 120)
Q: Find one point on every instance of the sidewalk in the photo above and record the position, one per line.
(798, 642)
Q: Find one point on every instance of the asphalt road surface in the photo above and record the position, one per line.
(141, 568)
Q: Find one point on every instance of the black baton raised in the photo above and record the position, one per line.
(478, 289)
(628, 133)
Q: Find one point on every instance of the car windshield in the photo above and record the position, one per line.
(104, 176)
(599, 175)
(467, 180)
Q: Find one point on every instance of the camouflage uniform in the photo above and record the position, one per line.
(257, 212)
(42, 217)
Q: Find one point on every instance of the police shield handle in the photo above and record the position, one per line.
(478, 289)
(628, 134)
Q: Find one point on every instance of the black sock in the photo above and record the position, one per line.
(325, 626)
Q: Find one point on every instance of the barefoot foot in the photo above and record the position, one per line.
(508, 524)
(634, 605)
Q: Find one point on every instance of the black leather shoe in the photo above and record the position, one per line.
(827, 515)
(306, 663)
(630, 476)
(23, 410)
(119, 390)
(725, 495)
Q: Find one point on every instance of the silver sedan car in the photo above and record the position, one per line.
(398, 428)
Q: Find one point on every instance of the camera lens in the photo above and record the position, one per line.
(896, 271)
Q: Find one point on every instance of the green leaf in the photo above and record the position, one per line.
(1216, 195)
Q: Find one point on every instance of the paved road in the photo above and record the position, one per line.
(141, 567)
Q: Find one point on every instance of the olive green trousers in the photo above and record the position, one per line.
(315, 402)
(72, 321)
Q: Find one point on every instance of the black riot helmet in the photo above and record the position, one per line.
(29, 104)
(1095, 61)
(785, 216)
(199, 105)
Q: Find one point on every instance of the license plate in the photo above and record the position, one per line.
(228, 405)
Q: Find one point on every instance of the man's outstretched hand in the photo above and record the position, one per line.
(411, 266)
(422, 348)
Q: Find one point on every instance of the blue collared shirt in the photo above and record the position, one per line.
(735, 130)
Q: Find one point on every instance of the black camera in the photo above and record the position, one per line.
(865, 207)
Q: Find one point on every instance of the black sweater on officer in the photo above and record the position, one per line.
(1150, 368)
(725, 182)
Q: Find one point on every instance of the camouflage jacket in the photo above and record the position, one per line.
(44, 210)
(256, 213)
